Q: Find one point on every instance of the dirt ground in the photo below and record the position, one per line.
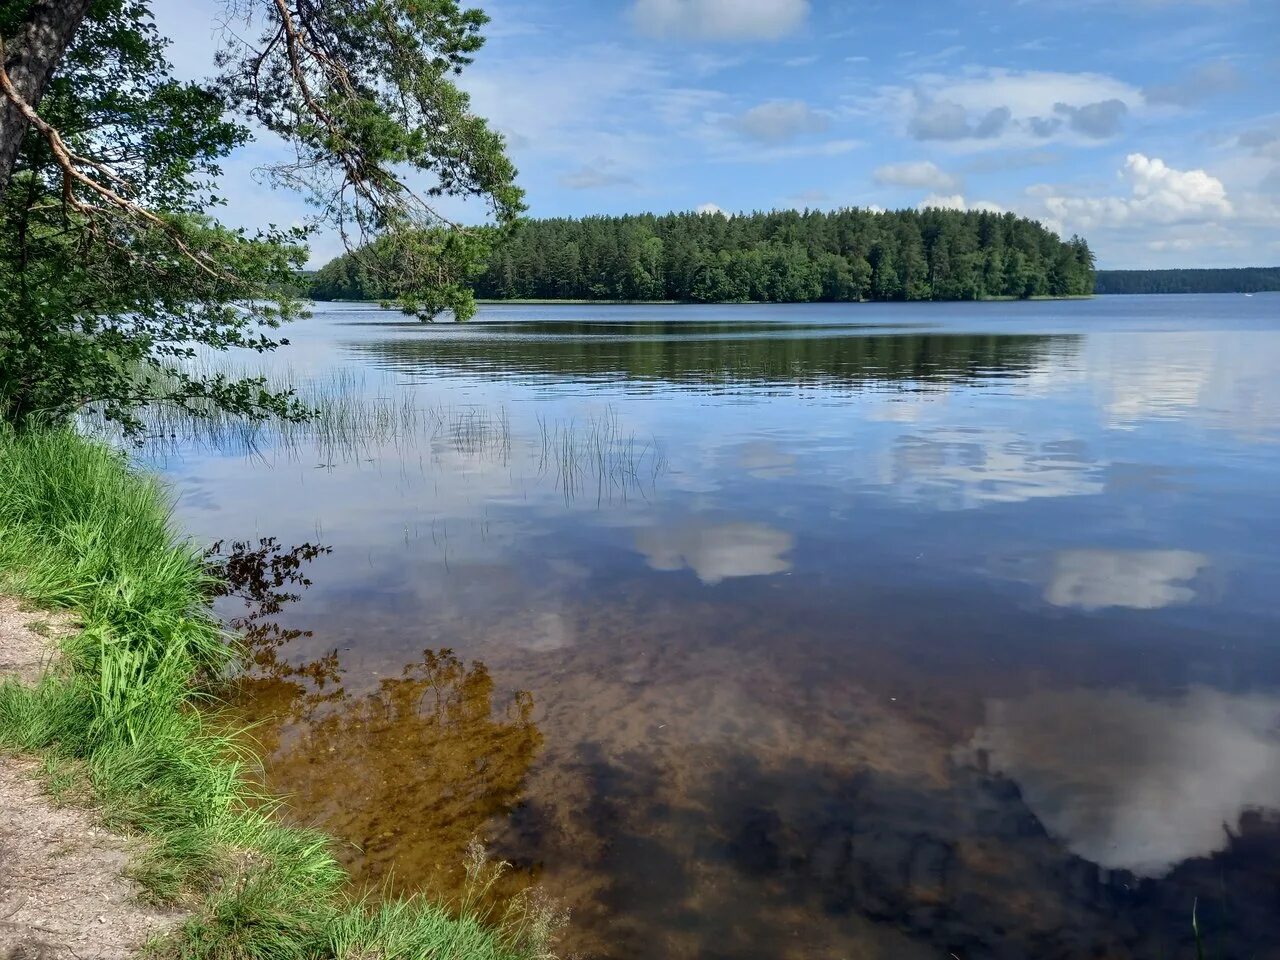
(63, 895)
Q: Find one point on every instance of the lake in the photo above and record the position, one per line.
(898, 630)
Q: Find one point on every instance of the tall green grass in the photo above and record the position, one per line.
(118, 723)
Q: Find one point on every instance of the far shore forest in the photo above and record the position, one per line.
(778, 257)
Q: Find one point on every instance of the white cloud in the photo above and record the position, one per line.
(720, 19)
(717, 552)
(1160, 782)
(569, 107)
(956, 201)
(601, 173)
(1137, 579)
(989, 107)
(1159, 194)
(1203, 82)
(778, 121)
(1032, 93)
(825, 148)
(923, 174)
(710, 208)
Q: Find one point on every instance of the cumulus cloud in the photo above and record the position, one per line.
(1161, 781)
(1159, 194)
(717, 552)
(778, 121)
(921, 174)
(957, 201)
(720, 19)
(710, 208)
(1137, 579)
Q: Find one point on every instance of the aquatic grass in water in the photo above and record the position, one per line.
(117, 724)
(598, 453)
(350, 425)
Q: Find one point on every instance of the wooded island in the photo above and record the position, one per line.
(776, 257)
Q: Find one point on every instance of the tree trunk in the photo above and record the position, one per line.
(30, 57)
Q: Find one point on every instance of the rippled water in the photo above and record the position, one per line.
(802, 631)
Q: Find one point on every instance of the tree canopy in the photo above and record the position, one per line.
(780, 256)
(113, 266)
(1230, 280)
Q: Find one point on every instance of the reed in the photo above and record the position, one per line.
(354, 421)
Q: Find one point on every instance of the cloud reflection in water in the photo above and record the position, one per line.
(717, 552)
(1135, 783)
(961, 469)
(1138, 579)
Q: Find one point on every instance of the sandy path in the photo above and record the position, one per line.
(63, 895)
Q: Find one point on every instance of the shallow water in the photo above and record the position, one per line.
(789, 631)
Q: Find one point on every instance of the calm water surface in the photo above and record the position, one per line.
(790, 632)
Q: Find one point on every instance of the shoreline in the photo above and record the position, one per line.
(534, 302)
(118, 724)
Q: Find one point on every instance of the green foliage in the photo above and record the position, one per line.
(113, 270)
(87, 303)
(81, 531)
(365, 91)
(386, 269)
(1237, 280)
(779, 257)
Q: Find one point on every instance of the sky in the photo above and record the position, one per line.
(1150, 127)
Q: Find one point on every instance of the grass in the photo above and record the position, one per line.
(118, 726)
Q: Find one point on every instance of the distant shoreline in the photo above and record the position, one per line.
(534, 302)
(755, 303)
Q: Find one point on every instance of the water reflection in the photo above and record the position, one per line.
(683, 353)
(407, 773)
(1152, 782)
(1019, 678)
(1138, 579)
(968, 468)
(717, 551)
(765, 460)
(265, 576)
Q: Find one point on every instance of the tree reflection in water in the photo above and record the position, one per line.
(407, 773)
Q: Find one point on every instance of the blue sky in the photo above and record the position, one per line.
(1152, 127)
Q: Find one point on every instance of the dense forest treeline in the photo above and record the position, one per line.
(1239, 280)
(778, 257)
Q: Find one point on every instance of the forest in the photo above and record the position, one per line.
(775, 257)
(1240, 280)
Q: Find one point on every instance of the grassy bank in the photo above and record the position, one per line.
(117, 726)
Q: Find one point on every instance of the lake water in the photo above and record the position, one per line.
(875, 631)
